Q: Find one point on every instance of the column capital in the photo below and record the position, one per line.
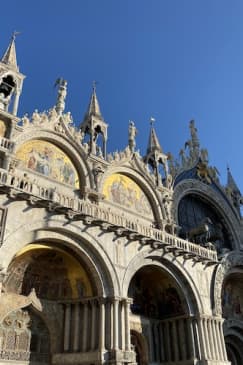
(127, 300)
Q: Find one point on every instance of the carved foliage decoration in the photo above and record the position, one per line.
(232, 260)
(122, 190)
(47, 159)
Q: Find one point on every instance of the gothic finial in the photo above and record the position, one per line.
(14, 35)
(94, 84)
(62, 93)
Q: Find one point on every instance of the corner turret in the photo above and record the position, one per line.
(11, 80)
(94, 127)
(155, 156)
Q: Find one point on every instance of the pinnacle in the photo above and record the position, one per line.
(9, 57)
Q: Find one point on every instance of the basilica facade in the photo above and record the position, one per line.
(112, 258)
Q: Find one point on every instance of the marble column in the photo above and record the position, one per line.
(206, 330)
(202, 340)
(102, 324)
(175, 341)
(182, 339)
(223, 341)
(167, 342)
(220, 344)
(93, 325)
(67, 324)
(191, 340)
(127, 303)
(161, 345)
(76, 327)
(216, 347)
(85, 327)
(16, 101)
(115, 323)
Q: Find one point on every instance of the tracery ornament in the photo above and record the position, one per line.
(230, 261)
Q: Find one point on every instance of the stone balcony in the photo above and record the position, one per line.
(21, 187)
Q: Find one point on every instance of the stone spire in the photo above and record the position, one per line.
(9, 57)
(93, 108)
(95, 127)
(231, 182)
(233, 191)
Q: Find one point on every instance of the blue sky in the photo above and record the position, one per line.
(175, 60)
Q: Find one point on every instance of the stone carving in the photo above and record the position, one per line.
(97, 173)
(25, 121)
(11, 302)
(167, 203)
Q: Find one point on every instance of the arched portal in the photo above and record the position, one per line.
(69, 294)
(201, 222)
(155, 294)
(160, 315)
(54, 274)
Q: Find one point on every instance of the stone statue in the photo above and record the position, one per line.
(132, 132)
(61, 96)
(183, 158)
(194, 140)
(193, 130)
(25, 120)
(36, 117)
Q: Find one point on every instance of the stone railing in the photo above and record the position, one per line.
(6, 144)
(106, 217)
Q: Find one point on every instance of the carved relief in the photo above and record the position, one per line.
(23, 337)
(15, 336)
